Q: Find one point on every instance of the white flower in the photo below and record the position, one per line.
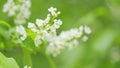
(19, 19)
(27, 3)
(51, 49)
(85, 38)
(43, 34)
(39, 22)
(55, 26)
(53, 11)
(27, 66)
(87, 30)
(21, 31)
(57, 23)
(46, 21)
(81, 28)
(37, 41)
(70, 34)
(32, 27)
(72, 44)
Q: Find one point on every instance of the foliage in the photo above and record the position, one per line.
(7, 62)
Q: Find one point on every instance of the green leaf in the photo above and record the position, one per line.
(7, 62)
(5, 24)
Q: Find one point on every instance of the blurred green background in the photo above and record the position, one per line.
(102, 50)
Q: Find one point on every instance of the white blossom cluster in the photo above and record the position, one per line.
(10, 7)
(67, 39)
(21, 31)
(20, 9)
(46, 30)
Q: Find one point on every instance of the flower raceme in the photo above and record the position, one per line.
(46, 30)
(15, 8)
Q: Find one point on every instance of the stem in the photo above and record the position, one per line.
(52, 20)
(52, 64)
(27, 60)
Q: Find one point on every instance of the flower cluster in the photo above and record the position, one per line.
(19, 9)
(46, 30)
(21, 32)
(67, 39)
(10, 7)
